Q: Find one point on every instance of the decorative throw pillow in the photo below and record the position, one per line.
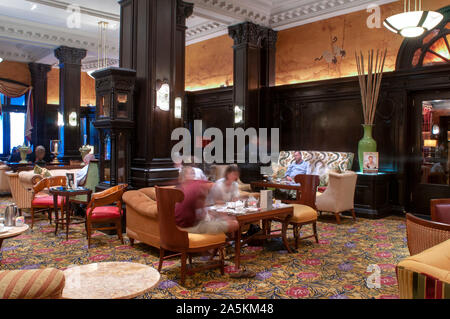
(42, 171)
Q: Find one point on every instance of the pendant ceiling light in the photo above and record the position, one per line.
(411, 24)
(102, 51)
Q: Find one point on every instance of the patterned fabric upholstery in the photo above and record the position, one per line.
(320, 162)
(32, 284)
(426, 275)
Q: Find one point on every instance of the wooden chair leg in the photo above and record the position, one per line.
(161, 258)
(89, 233)
(32, 217)
(119, 230)
(354, 215)
(131, 242)
(222, 261)
(316, 235)
(183, 268)
(338, 218)
(296, 235)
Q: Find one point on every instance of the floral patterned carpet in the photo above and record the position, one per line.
(336, 268)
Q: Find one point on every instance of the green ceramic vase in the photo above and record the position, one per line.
(367, 144)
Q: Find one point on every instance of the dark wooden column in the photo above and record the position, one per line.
(70, 99)
(39, 83)
(254, 68)
(268, 58)
(152, 33)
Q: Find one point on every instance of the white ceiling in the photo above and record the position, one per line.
(31, 29)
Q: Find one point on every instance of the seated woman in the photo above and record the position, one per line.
(82, 174)
(226, 189)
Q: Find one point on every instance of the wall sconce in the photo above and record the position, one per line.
(435, 130)
(73, 119)
(238, 114)
(60, 120)
(178, 107)
(163, 95)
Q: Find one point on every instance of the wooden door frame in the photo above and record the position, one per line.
(414, 130)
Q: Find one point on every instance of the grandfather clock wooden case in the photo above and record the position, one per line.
(114, 120)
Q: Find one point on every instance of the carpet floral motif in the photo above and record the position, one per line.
(336, 268)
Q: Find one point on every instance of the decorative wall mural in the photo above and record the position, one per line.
(332, 57)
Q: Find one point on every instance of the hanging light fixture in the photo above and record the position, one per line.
(412, 24)
(102, 49)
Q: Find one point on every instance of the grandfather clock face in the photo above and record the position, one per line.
(122, 105)
(104, 106)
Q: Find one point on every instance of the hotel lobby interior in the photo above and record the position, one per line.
(118, 181)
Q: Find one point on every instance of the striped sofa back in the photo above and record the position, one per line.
(32, 284)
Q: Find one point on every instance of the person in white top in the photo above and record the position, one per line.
(225, 189)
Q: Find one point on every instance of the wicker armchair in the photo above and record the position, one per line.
(423, 234)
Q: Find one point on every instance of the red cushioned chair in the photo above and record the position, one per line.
(100, 211)
(44, 203)
(440, 210)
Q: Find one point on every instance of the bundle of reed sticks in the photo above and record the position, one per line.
(370, 84)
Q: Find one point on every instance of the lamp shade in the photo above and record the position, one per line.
(414, 23)
(430, 143)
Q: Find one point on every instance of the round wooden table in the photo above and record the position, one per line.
(66, 193)
(11, 233)
(114, 280)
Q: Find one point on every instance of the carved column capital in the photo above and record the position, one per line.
(247, 33)
(70, 55)
(271, 38)
(184, 11)
(38, 71)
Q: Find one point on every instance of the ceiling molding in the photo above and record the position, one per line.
(91, 12)
(317, 11)
(202, 31)
(37, 34)
(94, 65)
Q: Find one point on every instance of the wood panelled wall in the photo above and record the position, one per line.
(327, 116)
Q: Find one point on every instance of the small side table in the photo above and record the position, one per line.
(11, 233)
(115, 280)
(66, 193)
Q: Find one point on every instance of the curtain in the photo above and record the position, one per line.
(12, 90)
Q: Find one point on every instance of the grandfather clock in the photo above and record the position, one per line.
(114, 120)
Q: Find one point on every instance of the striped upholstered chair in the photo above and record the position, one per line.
(426, 275)
(32, 284)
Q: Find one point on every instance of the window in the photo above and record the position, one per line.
(12, 123)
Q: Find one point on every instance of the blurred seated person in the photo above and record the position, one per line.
(226, 189)
(82, 174)
(38, 156)
(299, 167)
(199, 175)
(191, 215)
(15, 155)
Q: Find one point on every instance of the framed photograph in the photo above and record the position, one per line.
(71, 180)
(371, 163)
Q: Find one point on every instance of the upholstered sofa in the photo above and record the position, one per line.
(426, 275)
(142, 216)
(321, 163)
(22, 183)
(32, 284)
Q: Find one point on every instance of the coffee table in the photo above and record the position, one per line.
(68, 220)
(13, 232)
(114, 280)
(283, 213)
(297, 188)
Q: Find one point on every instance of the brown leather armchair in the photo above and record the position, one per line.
(142, 216)
(440, 210)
